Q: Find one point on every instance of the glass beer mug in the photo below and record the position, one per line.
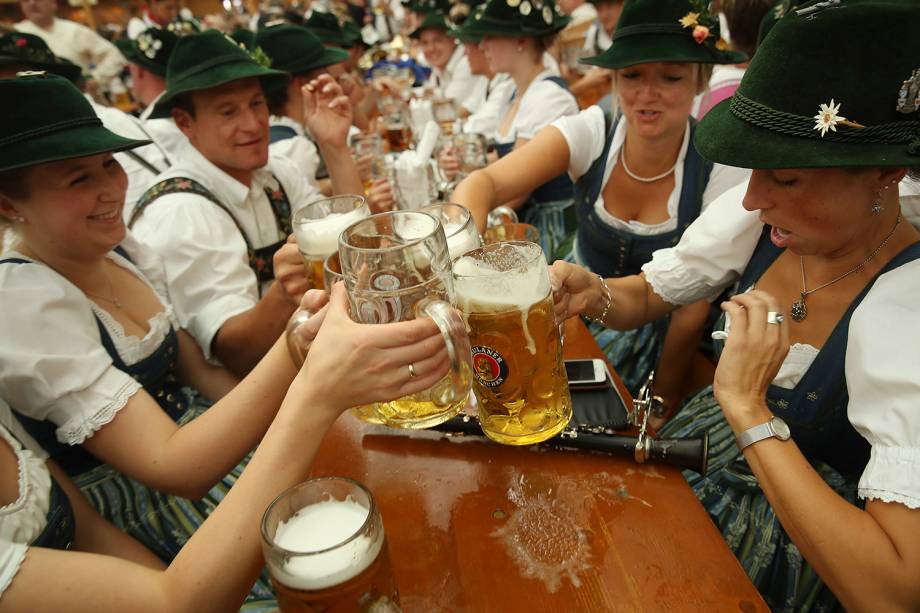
(520, 383)
(397, 267)
(326, 550)
(458, 225)
(317, 227)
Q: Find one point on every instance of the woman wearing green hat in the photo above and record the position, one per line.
(814, 454)
(639, 180)
(97, 353)
(515, 35)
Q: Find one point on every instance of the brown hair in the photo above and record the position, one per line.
(744, 17)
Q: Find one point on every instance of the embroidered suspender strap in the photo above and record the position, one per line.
(281, 207)
(181, 185)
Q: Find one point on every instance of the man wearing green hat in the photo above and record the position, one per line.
(296, 51)
(220, 214)
(450, 69)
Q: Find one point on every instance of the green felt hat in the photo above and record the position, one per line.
(150, 50)
(433, 20)
(33, 53)
(45, 118)
(244, 37)
(850, 97)
(326, 28)
(517, 18)
(462, 32)
(773, 16)
(296, 50)
(209, 59)
(666, 31)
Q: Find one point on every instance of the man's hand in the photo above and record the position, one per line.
(289, 271)
(327, 111)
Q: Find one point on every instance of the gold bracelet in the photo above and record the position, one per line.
(603, 318)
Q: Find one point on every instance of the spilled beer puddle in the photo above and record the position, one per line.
(546, 532)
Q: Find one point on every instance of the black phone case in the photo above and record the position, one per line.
(598, 407)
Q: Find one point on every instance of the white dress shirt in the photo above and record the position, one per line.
(298, 148)
(457, 81)
(596, 40)
(164, 131)
(204, 256)
(77, 43)
(485, 119)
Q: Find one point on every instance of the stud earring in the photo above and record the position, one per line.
(877, 204)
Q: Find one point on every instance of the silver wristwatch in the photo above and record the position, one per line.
(776, 427)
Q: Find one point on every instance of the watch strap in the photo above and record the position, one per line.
(755, 434)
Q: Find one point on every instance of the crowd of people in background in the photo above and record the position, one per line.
(666, 151)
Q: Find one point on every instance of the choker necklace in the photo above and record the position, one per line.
(799, 310)
(644, 179)
(114, 299)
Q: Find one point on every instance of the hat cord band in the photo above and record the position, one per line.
(49, 128)
(650, 28)
(774, 120)
(205, 65)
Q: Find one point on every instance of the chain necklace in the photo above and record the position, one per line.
(113, 299)
(644, 179)
(799, 310)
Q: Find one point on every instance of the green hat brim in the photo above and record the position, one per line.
(214, 76)
(678, 47)
(330, 57)
(77, 142)
(69, 71)
(432, 21)
(724, 138)
(129, 49)
(464, 36)
(486, 26)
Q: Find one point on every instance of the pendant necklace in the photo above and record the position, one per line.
(113, 299)
(799, 310)
(644, 179)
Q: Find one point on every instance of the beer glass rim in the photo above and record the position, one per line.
(297, 217)
(450, 205)
(343, 241)
(537, 254)
(270, 540)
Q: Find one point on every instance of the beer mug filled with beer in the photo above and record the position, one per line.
(504, 293)
(397, 267)
(326, 550)
(461, 232)
(317, 227)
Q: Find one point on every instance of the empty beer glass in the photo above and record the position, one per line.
(504, 293)
(326, 550)
(511, 232)
(397, 267)
(458, 225)
(317, 227)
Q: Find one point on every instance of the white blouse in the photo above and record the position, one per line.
(298, 149)
(881, 355)
(543, 102)
(54, 366)
(586, 135)
(22, 520)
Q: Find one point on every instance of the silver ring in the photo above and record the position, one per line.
(775, 318)
(412, 371)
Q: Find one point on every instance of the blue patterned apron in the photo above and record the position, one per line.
(549, 207)
(612, 252)
(816, 411)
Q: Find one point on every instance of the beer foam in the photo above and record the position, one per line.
(320, 237)
(486, 285)
(320, 526)
(458, 241)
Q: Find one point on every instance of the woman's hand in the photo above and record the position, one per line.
(380, 197)
(352, 364)
(576, 291)
(753, 354)
(289, 270)
(448, 163)
(326, 110)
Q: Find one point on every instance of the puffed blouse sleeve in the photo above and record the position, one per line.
(711, 254)
(883, 380)
(53, 365)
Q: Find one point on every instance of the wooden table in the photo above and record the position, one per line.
(476, 526)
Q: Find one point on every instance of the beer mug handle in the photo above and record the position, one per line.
(298, 346)
(453, 329)
(500, 216)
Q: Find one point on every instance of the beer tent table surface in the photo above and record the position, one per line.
(477, 526)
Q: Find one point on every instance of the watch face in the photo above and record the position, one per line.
(781, 429)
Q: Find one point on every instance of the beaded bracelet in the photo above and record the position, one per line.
(603, 318)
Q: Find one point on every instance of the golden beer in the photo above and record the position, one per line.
(519, 379)
(326, 549)
(313, 265)
(398, 138)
